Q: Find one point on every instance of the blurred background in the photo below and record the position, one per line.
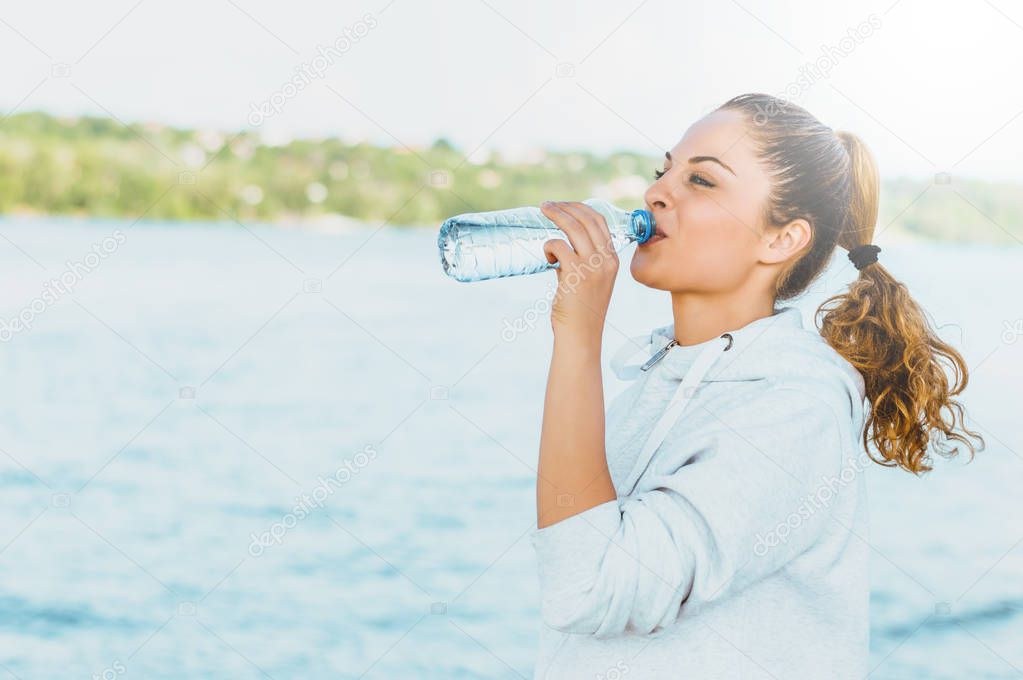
(251, 430)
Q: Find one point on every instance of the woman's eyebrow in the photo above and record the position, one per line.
(701, 159)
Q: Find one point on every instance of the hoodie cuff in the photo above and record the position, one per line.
(569, 552)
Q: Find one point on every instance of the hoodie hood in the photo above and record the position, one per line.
(776, 346)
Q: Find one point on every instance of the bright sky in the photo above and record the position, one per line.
(932, 86)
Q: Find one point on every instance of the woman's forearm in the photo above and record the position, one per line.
(572, 474)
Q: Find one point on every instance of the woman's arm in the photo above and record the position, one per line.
(754, 487)
(572, 475)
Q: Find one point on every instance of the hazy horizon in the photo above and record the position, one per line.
(927, 86)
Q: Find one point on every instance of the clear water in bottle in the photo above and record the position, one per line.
(490, 245)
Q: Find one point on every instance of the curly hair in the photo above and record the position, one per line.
(831, 180)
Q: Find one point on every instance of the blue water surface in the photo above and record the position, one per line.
(265, 452)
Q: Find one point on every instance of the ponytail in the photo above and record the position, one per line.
(830, 179)
(878, 327)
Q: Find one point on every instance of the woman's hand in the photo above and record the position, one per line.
(587, 272)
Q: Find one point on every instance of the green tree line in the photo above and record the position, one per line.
(100, 167)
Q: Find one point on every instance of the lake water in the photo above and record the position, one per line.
(272, 453)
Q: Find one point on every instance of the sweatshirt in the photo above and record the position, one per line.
(739, 549)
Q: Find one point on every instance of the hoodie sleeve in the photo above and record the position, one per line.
(748, 495)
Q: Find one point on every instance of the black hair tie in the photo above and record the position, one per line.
(863, 255)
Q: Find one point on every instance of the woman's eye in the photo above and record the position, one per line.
(694, 178)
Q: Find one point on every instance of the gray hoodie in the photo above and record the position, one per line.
(739, 548)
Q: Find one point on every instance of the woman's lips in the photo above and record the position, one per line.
(657, 236)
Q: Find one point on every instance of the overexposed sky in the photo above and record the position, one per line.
(932, 86)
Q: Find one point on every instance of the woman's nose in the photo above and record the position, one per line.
(656, 196)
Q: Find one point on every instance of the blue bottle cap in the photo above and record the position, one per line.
(646, 220)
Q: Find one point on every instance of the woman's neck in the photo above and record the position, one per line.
(700, 317)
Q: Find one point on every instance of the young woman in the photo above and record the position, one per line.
(716, 526)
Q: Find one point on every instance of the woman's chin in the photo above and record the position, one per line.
(639, 268)
(645, 269)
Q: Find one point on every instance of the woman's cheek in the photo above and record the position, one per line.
(707, 259)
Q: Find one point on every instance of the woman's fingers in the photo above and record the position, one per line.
(594, 223)
(577, 233)
(586, 275)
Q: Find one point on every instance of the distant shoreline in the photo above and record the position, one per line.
(331, 224)
(104, 169)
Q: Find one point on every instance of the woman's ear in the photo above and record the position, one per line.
(789, 240)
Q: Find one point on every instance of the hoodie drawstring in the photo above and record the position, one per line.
(679, 400)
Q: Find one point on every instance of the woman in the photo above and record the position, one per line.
(731, 542)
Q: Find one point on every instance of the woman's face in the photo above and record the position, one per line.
(708, 206)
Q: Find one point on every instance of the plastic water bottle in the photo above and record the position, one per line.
(490, 245)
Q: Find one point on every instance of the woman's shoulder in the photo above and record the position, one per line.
(814, 368)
